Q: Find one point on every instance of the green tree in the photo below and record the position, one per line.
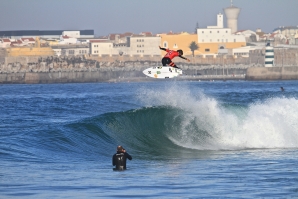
(193, 46)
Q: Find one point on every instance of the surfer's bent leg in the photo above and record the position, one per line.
(165, 61)
(173, 64)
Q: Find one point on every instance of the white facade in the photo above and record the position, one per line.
(67, 40)
(75, 51)
(102, 48)
(74, 34)
(136, 45)
(218, 35)
(244, 51)
(4, 43)
(144, 45)
(71, 51)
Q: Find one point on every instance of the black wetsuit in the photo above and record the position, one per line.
(119, 160)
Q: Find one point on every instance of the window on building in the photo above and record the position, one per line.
(234, 40)
(218, 31)
(210, 31)
(165, 44)
(210, 40)
(202, 31)
(202, 40)
(207, 50)
(226, 40)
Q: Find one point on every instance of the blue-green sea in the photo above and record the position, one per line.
(188, 139)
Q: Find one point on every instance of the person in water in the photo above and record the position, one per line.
(119, 158)
(171, 54)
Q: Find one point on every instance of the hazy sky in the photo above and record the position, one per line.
(156, 16)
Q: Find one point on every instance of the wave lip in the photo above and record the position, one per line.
(208, 124)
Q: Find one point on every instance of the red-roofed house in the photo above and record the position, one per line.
(250, 36)
(5, 43)
(16, 43)
(146, 34)
(28, 41)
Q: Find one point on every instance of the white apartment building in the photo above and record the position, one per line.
(140, 45)
(218, 34)
(135, 45)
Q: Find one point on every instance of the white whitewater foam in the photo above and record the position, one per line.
(268, 124)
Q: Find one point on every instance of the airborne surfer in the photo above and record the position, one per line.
(171, 54)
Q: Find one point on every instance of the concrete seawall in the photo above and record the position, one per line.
(272, 73)
(66, 77)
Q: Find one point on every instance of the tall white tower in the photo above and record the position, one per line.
(232, 14)
(220, 20)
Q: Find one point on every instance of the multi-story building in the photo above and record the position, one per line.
(211, 39)
(134, 45)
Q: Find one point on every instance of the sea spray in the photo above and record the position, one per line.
(208, 124)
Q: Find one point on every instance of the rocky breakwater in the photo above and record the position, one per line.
(81, 69)
(62, 70)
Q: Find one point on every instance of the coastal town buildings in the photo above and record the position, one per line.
(289, 32)
(212, 41)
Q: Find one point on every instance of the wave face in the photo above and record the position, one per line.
(170, 121)
(175, 121)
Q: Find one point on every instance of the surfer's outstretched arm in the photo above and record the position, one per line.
(162, 48)
(183, 57)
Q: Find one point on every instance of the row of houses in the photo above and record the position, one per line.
(210, 41)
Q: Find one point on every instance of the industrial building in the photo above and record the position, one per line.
(50, 34)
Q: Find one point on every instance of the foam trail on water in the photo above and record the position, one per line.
(208, 125)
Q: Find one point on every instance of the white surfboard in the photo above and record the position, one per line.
(162, 72)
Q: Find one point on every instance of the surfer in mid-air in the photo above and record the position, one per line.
(171, 54)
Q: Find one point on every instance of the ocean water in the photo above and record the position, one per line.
(233, 139)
